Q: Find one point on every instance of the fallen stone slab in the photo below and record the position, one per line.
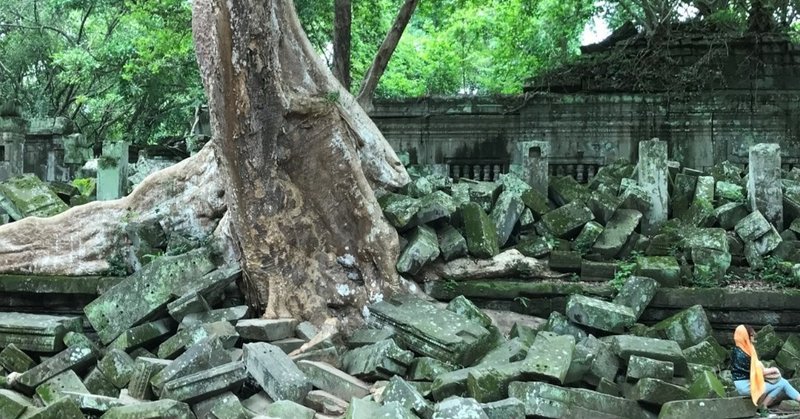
(432, 207)
(225, 405)
(587, 237)
(63, 408)
(550, 401)
(202, 356)
(52, 390)
(730, 214)
(511, 263)
(379, 361)
(705, 353)
(117, 366)
(599, 314)
(567, 220)
(511, 350)
(752, 226)
(266, 329)
(325, 403)
(95, 404)
(768, 343)
(15, 360)
(561, 325)
(364, 337)
(27, 196)
(427, 369)
(727, 408)
(144, 335)
(151, 410)
(688, 327)
(145, 292)
(613, 238)
(505, 214)
(75, 358)
(398, 209)
(431, 331)
(479, 231)
(275, 372)
(657, 392)
(636, 294)
(706, 386)
(177, 343)
(422, 249)
(325, 377)
(399, 391)
(285, 409)
(642, 367)
(36, 332)
(459, 408)
(204, 384)
(192, 302)
(604, 363)
(230, 314)
(144, 369)
(625, 346)
(510, 408)
(452, 244)
(97, 383)
(14, 405)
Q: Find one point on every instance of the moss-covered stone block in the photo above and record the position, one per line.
(27, 196)
(422, 248)
(599, 314)
(479, 231)
(587, 237)
(706, 386)
(688, 327)
(567, 220)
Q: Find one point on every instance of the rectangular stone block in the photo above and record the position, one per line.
(599, 314)
(143, 371)
(51, 390)
(568, 220)
(275, 372)
(266, 330)
(143, 335)
(92, 403)
(204, 384)
(641, 367)
(728, 408)
(625, 346)
(36, 332)
(191, 302)
(431, 331)
(177, 343)
(547, 400)
(664, 269)
(381, 360)
(145, 292)
(75, 358)
(14, 360)
(202, 356)
(230, 314)
(657, 392)
(151, 410)
(636, 294)
(325, 377)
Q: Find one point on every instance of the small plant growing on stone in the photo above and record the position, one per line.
(624, 271)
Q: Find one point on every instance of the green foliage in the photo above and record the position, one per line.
(704, 277)
(624, 271)
(86, 186)
(777, 272)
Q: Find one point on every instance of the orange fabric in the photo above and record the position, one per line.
(742, 339)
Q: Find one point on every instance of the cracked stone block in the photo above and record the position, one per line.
(275, 372)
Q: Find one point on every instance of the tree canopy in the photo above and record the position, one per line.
(125, 69)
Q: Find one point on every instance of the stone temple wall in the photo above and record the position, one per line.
(588, 130)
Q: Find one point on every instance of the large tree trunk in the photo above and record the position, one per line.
(342, 19)
(295, 147)
(385, 52)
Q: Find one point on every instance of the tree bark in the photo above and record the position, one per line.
(373, 76)
(342, 19)
(297, 151)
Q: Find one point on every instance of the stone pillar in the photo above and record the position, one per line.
(653, 175)
(12, 145)
(764, 191)
(534, 158)
(112, 171)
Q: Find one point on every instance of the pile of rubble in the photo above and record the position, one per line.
(169, 342)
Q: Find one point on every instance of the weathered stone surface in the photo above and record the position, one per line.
(764, 191)
(407, 396)
(653, 176)
(145, 292)
(230, 314)
(36, 332)
(599, 314)
(636, 294)
(464, 307)
(452, 244)
(435, 206)
(430, 331)
(266, 329)
(143, 334)
(688, 327)
(621, 225)
(202, 356)
(97, 383)
(587, 237)
(684, 187)
(221, 406)
(568, 219)
(549, 401)
(275, 372)
(565, 261)
(143, 371)
(561, 325)
(728, 408)
(325, 377)
(565, 189)
(642, 367)
(536, 202)
(459, 408)
(63, 408)
(378, 361)
(398, 209)
(14, 360)
(604, 363)
(364, 337)
(768, 344)
(287, 409)
(505, 214)
(151, 410)
(52, 389)
(203, 384)
(13, 404)
(788, 357)
(730, 214)
(594, 271)
(752, 226)
(92, 403)
(427, 369)
(117, 366)
(706, 386)
(704, 353)
(657, 392)
(27, 196)
(75, 358)
(480, 232)
(191, 302)
(626, 346)
(422, 248)
(510, 408)
(177, 343)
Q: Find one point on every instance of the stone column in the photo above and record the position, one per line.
(112, 171)
(653, 175)
(764, 191)
(12, 145)
(534, 158)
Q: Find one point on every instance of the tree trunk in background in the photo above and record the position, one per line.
(385, 52)
(297, 151)
(342, 19)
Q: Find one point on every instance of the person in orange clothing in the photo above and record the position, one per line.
(749, 373)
